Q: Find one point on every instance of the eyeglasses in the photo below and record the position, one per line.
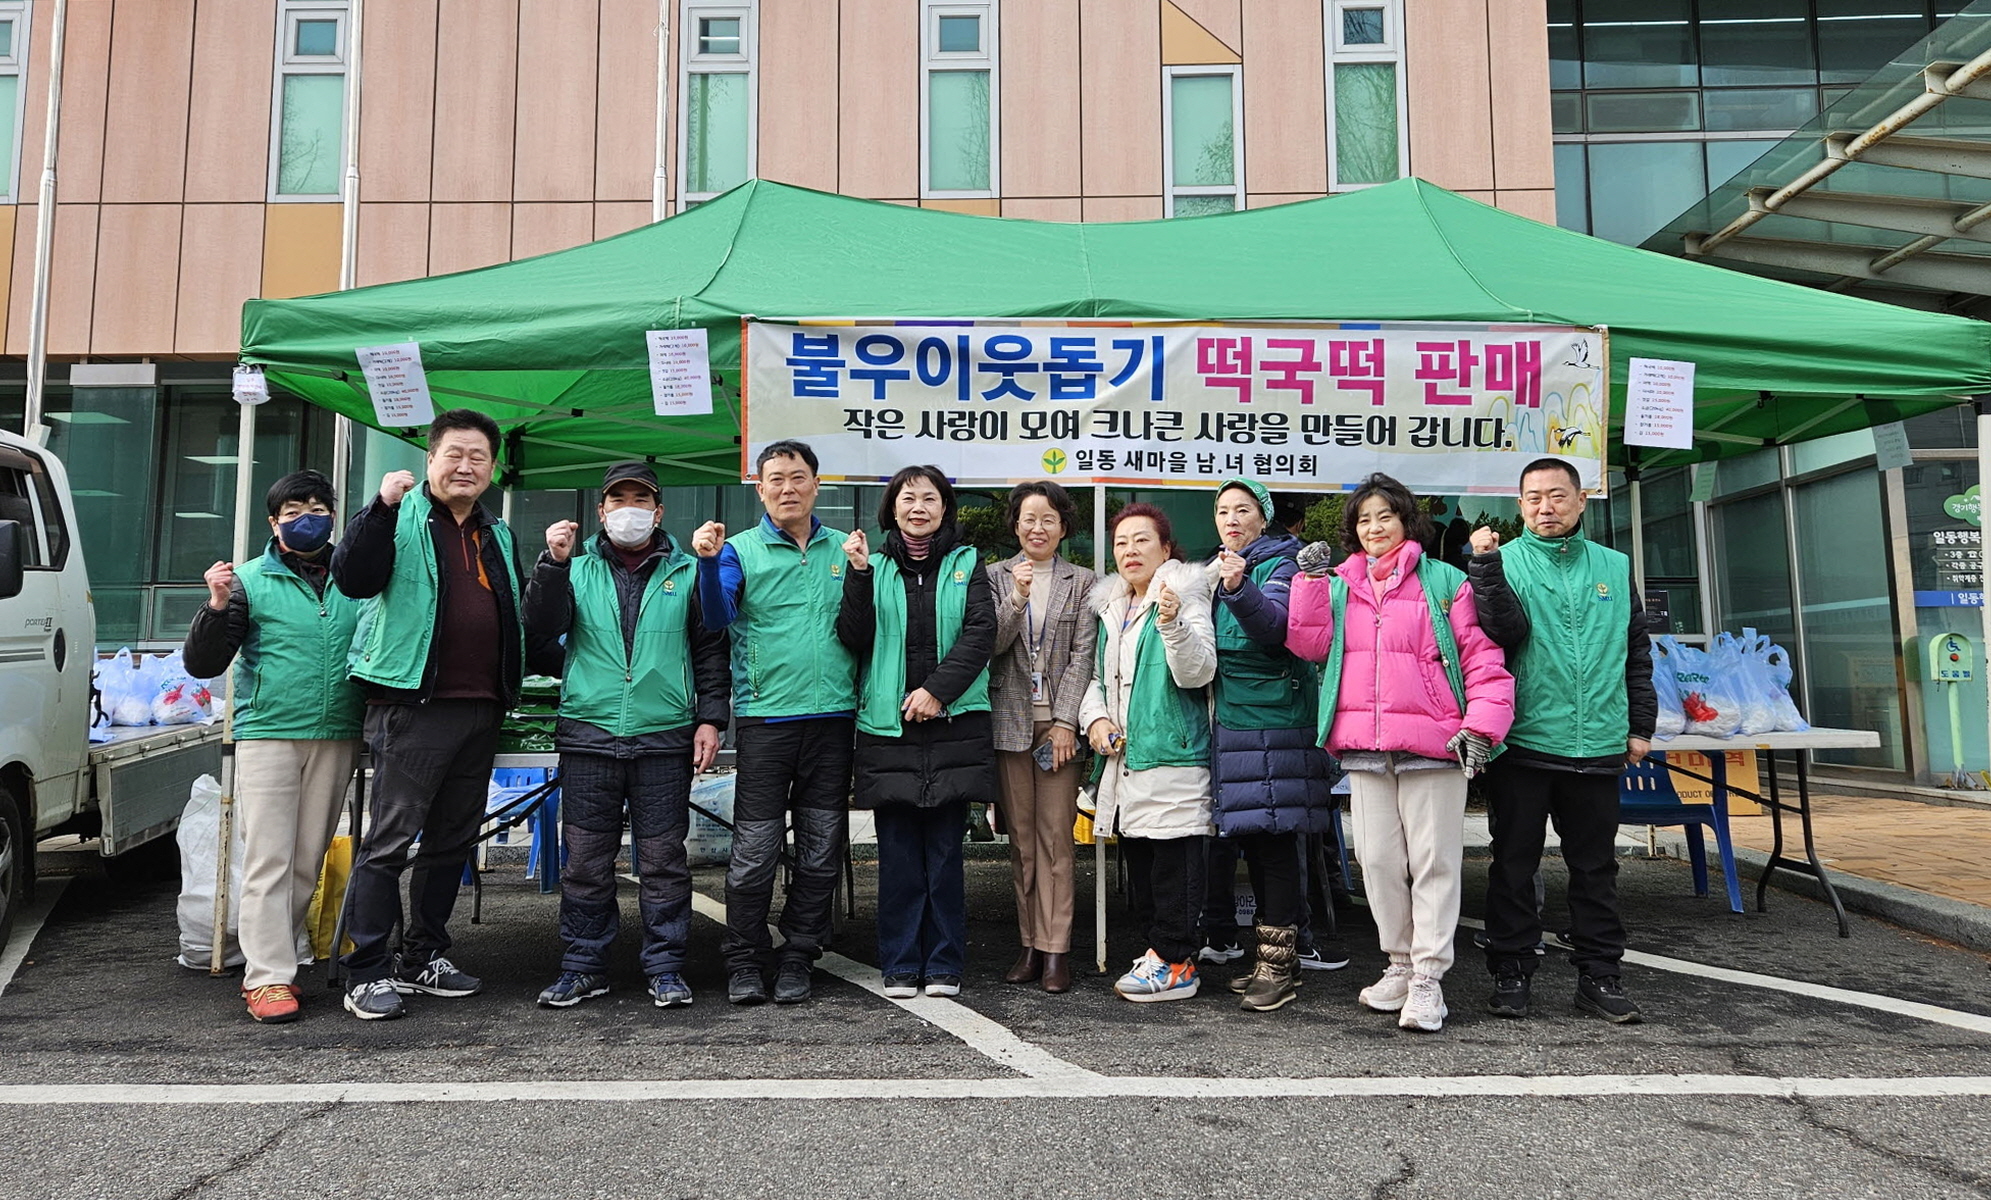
(1045, 523)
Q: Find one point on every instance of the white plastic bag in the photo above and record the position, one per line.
(200, 841)
(1705, 699)
(180, 700)
(123, 686)
(1777, 672)
(1672, 722)
(1749, 680)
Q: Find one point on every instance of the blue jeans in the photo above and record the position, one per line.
(656, 788)
(922, 896)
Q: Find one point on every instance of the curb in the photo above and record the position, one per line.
(1936, 916)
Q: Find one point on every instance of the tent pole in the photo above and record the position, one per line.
(245, 486)
(44, 233)
(1099, 557)
(1637, 489)
(342, 425)
(1983, 571)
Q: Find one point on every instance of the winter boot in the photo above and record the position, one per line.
(1272, 982)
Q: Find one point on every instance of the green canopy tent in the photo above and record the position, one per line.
(553, 347)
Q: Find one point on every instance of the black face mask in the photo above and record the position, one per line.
(306, 533)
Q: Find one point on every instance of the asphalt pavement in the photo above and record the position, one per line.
(1776, 1059)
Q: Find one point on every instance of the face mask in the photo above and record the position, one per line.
(629, 527)
(306, 533)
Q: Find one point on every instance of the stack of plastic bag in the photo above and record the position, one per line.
(180, 699)
(1769, 667)
(1707, 697)
(126, 689)
(1672, 721)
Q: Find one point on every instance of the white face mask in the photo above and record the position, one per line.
(630, 527)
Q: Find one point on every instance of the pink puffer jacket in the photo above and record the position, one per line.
(1394, 694)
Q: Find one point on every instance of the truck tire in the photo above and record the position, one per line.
(16, 860)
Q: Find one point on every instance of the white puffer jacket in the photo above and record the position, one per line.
(1161, 802)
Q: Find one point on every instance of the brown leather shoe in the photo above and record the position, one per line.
(1029, 965)
(1057, 973)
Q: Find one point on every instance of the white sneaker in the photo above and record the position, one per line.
(1424, 1009)
(1387, 994)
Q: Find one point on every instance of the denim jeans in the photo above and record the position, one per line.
(922, 895)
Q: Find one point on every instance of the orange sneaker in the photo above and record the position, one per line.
(273, 1003)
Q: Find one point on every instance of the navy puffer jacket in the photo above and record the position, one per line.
(1269, 780)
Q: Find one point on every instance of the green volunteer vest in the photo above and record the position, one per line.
(1258, 687)
(1440, 582)
(290, 674)
(391, 644)
(884, 686)
(1167, 726)
(787, 661)
(630, 691)
(1569, 676)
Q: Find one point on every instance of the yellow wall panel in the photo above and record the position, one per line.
(300, 250)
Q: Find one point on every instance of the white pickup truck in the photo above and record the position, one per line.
(127, 792)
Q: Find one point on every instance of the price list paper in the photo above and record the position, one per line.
(1659, 404)
(397, 383)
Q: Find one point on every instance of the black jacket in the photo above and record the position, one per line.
(214, 637)
(1505, 620)
(549, 614)
(949, 759)
(363, 562)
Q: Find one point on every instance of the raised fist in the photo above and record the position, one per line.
(857, 548)
(560, 539)
(218, 579)
(1230, 570)
(394, 485)
(1315, 558)
(1485, 540)
(1022, 575)
(707, 541)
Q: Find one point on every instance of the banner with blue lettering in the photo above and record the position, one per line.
(1446, 408)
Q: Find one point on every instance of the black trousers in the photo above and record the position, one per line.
(656, 791)
(1585, 809)
(787, 768)
(1276, 864)
(431, 773)
(1165, 891)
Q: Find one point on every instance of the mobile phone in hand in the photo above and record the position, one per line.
(1043, 755)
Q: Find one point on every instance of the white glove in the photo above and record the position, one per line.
(1472, 750)
(1315, 558)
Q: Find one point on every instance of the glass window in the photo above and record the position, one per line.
(1756, 41)
(960, 34)
(1727, 159)
(719, 35)
(18, 504)
(715, 123)
(1636, 187)
(1565, 62)
(313, 117)
(6, 39)
(1852, 656)
(1752, 568)
(106, 438)
(958, 131)
(1638, 43)
(1365, 123)
(1643, 112)
(315, 39)
(1203, 139)
(1779, 109)
(1202, 206)
(1572, 188)
(1566, 111)
(1949, 428)
(1362, 27)
(1858, 37)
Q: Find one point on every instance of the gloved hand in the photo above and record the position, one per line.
(1472, 750)
(1315, 558)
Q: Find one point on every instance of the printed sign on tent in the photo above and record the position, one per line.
(1446, 408)
(397, 383)
(1659, 404)
(680, 372)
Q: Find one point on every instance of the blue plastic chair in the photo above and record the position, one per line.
(1646, 796)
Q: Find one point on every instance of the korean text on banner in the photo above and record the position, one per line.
(397, 383)
(1446, 408)
(680, 372)
(1659, 404)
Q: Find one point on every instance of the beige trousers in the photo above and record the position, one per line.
(1410, 836)
(289, 794)
(1038, 808)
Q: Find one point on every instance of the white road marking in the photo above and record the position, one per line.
(982, 1035)
(1933, 1013)
(27, 925)
(1083, 1087)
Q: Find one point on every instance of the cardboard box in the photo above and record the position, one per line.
(1742, 773)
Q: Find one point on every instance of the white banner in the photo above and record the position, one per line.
(1448, 409)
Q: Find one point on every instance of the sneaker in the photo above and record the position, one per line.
(1152, 979)
(1604, 996)
(438, 977)
(379, 1000)
(669, 991)
(571, 988)
(745, 986)
(901, 987)
(1424, 1008)
(1388, 993)
(1221, 948)
(272, 1003)
(1314, 958)
(791, 981)
(943, 985)
(1510, 993)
